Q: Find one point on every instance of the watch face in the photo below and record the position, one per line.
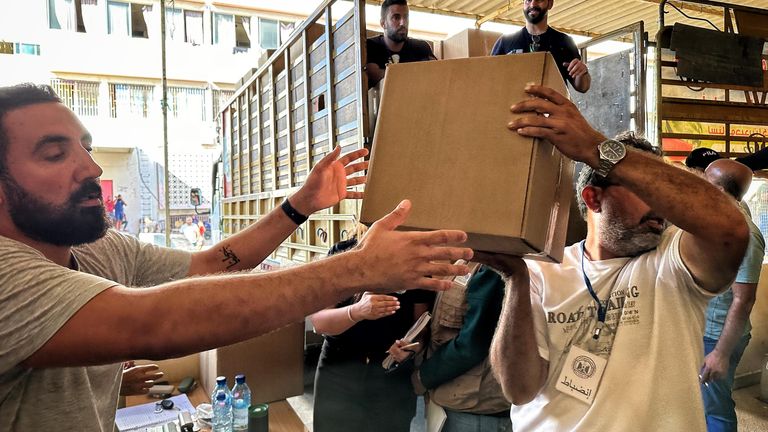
(612, 150)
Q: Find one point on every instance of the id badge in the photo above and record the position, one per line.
(581, 375)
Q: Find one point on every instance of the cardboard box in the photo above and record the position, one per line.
(442, 142)
(273, 364)
(469, 43)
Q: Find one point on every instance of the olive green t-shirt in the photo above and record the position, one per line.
(37, 297)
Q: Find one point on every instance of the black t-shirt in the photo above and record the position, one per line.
(413, 50)
(561, 46)
(372, 338)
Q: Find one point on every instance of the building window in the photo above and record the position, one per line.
(67, 14)
(118, 18)
(242, 31)
(82, 97)
(269, 37)
(286, 29)
(130, 100)
(127, 19)
(25, 48)
(223, 29)
(184, 25)
(186, 103)
(174, 24)
(139, 15)
(220, 97)
(193, 22)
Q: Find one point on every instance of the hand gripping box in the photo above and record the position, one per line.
(442, 142)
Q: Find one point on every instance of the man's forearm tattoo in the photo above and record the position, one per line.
(229, 257)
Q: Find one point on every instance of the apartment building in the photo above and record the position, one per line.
(103, 57)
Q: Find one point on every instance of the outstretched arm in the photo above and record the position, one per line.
(716, 233)
(114, 325)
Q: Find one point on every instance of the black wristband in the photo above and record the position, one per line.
(292, 213)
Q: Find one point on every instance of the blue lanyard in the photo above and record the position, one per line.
(600, 308)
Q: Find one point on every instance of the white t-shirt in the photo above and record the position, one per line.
(652, 341)
(36, 299)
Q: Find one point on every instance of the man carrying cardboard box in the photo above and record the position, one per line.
(394, 46)
(70, 315)
(537, 35)
(611, 338)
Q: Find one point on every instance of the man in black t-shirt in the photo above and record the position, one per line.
(537, 35)
(394, 46)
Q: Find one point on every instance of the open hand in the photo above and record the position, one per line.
(396, 260)
(328, 181)
(374, 306)
(138, 379)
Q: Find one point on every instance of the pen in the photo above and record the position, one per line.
(405, 347)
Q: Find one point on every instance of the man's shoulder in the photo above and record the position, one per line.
(420, 46)
(511, 40)
(10, 246)
(375, 41)
(419, 43)
(555, 34)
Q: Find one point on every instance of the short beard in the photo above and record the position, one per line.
(394, 36)
(60, 225)
(624, 241)
(537, 19)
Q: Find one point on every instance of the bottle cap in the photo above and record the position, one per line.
(221, 380)
(239, 378)
(258, 410)
(220, 395)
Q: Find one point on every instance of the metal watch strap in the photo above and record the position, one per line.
(604, 167)
(292, 213)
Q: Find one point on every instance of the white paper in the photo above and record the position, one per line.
(139, 417)
(436, 416)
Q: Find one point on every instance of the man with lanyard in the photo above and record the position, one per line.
(727, 329)
(611, 338)
(394, 46)
(537, 35)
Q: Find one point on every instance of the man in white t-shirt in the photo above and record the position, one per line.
(190, 231)
(69, 313)
(611, 338)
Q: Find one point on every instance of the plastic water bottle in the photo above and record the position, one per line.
(222, 412)
(241, 401)
(221, 384)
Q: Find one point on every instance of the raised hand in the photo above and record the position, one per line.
(562, 125)
(328, 181)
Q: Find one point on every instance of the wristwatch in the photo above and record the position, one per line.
(611, 153)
